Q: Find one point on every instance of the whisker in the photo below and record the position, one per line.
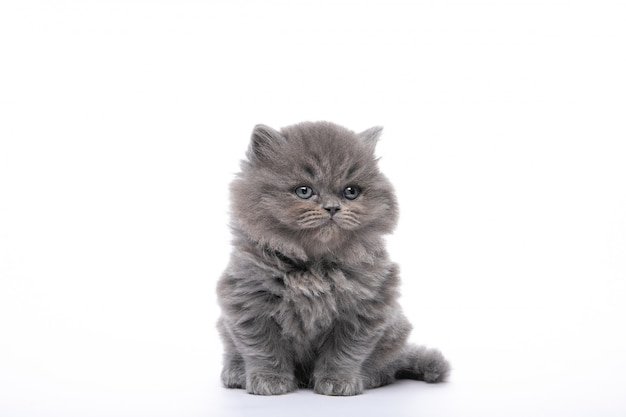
(310, 214)
(349, 219)
(349, 214)
(311, 219)
(317, 216)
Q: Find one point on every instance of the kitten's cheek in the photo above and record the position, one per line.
(289, 221)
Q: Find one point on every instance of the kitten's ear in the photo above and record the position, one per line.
(370, 136)
(263, 139)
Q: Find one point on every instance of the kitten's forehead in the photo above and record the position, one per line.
(325, 150)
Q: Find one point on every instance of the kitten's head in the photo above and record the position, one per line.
(313, 189)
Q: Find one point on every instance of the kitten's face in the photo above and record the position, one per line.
(324, 210)
(327, 210)
(315, 185)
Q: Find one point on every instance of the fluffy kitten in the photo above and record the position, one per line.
(309, 298)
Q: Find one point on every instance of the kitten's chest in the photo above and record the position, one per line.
(312, 300)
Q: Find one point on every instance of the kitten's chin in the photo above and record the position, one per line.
(327, 234)
(331, 235)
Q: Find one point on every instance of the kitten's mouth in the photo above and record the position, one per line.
(333, 221)
(327, 223)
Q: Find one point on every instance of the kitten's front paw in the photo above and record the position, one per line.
(339, 386)
(233, 378)
(270, 384)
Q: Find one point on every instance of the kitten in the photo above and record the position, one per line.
(309, 298)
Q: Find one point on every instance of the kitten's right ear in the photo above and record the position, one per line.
(262, 142)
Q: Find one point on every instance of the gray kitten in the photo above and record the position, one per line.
(309, 298)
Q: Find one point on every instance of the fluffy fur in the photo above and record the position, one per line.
(309, 298)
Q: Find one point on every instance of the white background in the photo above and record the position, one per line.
(122, 123)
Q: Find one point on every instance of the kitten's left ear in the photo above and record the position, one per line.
(370, 136)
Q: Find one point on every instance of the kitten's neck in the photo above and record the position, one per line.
(356, 252)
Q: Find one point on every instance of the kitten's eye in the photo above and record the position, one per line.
(304, 192)
(351, 192)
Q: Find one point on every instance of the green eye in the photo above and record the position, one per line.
(304, 192)
(351, 192)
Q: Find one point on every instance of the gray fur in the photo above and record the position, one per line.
(309, 298)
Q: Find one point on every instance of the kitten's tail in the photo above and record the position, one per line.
(423, 364)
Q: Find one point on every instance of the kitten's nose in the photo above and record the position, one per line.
(332, 209)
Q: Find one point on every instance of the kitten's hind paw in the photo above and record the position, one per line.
(270, 384)
(339, 386)
(432, 366)
(435, 367)
(424, 364)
